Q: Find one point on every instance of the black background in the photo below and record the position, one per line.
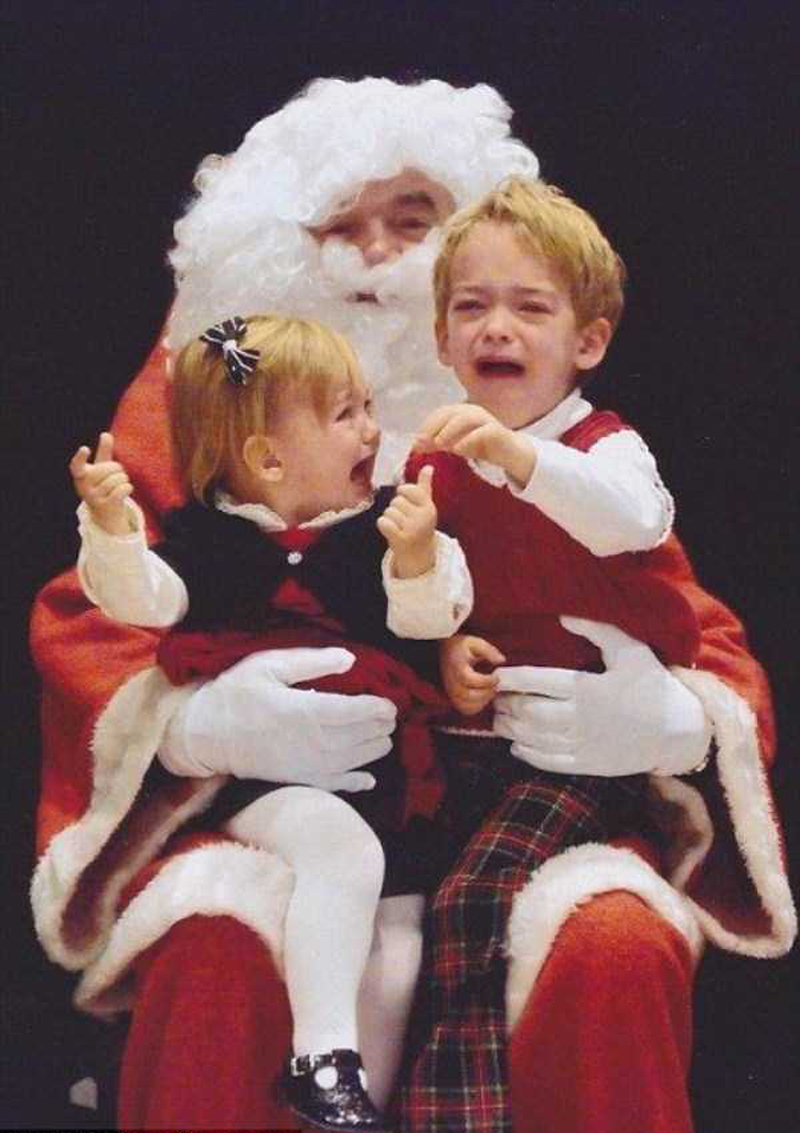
(674, 123)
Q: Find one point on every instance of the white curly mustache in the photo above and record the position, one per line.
(406, 279)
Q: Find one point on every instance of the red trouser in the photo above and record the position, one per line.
(603, 1045)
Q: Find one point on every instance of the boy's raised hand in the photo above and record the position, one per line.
(408, 525)
(103, 485)
(470, 689)
(472, 431)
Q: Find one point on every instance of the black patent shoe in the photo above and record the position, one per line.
(343, 1106)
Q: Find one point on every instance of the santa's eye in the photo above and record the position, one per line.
(413, 223)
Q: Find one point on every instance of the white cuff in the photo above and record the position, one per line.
(432, 605)
(124, 578)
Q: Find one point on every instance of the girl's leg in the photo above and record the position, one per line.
(387, 990)
(338, 865)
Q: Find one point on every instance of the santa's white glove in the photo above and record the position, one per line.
(248, 722)
(635, 717)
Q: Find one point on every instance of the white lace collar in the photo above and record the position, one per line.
(268, 520)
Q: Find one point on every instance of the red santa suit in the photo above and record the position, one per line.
(151, 918)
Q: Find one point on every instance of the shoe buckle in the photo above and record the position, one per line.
(306, 1064)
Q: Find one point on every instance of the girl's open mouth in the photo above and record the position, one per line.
(362, 472)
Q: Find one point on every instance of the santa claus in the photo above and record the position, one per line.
(330, 208)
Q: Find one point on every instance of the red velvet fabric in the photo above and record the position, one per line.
(209, 1034)
(604, 1042)
(602, 1047)
(191, 656)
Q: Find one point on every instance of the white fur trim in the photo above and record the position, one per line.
(125, 741)
(222, 879)
(564, 883)
(744, 784)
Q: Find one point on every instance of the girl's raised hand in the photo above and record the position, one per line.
(103, 485)
(409, 524)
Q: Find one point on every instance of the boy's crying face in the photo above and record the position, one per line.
(510, 330)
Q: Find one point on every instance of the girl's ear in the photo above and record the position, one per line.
(593, 343)
(261, 458)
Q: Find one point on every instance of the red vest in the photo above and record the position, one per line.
(528, 571)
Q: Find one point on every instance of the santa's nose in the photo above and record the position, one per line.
(379, 244)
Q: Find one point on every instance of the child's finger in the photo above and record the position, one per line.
(424, 439)
(387, 527)
(105, 487)
(454, 431)
(77, 465)
(425, 480)
(483, 650)
(120, 493)
(473, 678)
(105, 448)
(402, 504)
(472, 442)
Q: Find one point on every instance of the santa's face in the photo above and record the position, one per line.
(373, 282)
(385, 218)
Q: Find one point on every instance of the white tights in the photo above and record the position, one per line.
(338, 865)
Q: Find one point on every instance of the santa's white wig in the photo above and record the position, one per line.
(242, 246)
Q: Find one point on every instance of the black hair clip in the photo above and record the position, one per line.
(224, 337)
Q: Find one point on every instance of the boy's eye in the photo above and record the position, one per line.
(466, 305)
(534, 308)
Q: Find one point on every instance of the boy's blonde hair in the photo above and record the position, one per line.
(299, 361)
(554, 228)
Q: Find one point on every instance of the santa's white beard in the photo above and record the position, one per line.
(393, 337)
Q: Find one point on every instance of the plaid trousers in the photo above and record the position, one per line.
(507, 818)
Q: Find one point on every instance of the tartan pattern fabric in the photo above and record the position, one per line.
(510, 818)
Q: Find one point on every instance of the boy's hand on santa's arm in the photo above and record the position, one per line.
(471, 431)
(468, 688)
(408, 525)
(103, 485)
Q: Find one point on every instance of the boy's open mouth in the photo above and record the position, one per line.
(499, 368)
(363, 297)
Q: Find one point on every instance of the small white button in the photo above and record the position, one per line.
(294, 557)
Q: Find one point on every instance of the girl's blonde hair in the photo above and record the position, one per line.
(554, 228)
(299, 361)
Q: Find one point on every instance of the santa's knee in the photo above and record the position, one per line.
(613, 955)
(192, 953)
